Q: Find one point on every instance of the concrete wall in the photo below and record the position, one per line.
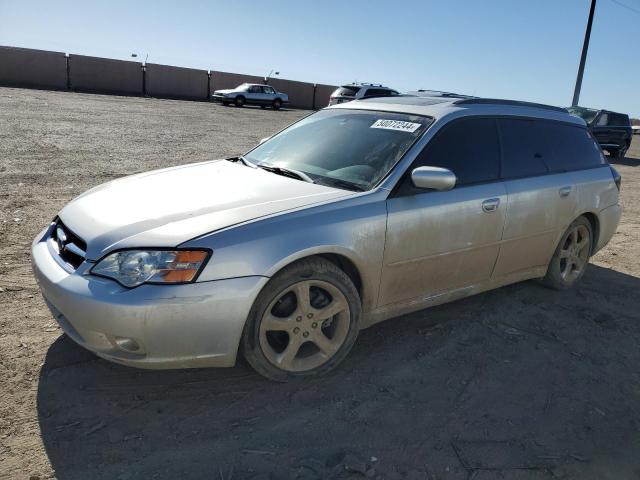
(104, 75)
(323, 92)
(300, 93)
(23, 67)
(223, 80)
(176, 82)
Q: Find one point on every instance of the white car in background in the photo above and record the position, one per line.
(357, 91)
(635, 129)
(251, 94)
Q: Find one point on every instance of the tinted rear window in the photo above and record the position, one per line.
(536, 147)
(469, 148)
(524, 148)
(346, 92)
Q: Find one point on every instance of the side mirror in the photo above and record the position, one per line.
(433, 178)
(262, 140)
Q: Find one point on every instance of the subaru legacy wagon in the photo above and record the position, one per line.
(353, 215)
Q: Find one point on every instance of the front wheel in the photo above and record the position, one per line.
(277, 103)
(239, 101)
(303, 323)
(570, 260)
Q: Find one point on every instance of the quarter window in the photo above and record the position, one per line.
(469, 148)
(573, 148)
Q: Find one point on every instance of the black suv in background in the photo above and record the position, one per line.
(612, 130)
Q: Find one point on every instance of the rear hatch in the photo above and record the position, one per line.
(343, 94)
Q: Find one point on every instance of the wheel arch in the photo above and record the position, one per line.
(595, 227)
(341, 257)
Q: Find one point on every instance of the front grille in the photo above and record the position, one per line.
(71, 248)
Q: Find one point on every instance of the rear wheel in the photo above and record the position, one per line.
(239, 101)
(622, 151)
(570, 260)
(277, 103)
(303, 323)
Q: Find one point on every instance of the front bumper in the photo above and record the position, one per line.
(221, 98)
(173, 326)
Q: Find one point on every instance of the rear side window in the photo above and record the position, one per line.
(346, 92)
(573, 147)
(469, 148)
(524, 148)
(618, 120)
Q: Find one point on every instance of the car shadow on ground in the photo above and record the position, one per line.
(519, 380)
(628, 160)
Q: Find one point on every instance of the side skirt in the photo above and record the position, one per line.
(396, 309)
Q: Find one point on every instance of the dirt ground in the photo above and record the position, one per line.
(518, 383)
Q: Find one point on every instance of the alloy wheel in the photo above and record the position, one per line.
(574, 254)
(304, 325)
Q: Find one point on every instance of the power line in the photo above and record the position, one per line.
(617, 2)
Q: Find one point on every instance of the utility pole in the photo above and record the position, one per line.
(583, 58)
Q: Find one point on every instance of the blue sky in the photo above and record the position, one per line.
(527, 50)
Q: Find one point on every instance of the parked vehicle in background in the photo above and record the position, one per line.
(251, 94)
(353, 215)
(612, 130)
(357, 91)
(636, 129)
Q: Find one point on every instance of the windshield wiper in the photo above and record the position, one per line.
(286, 172)
(336, 182)
(242, 160)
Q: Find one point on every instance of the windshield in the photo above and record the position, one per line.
(587, 114)
(343, 148)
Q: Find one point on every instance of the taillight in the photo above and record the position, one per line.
(616, 177)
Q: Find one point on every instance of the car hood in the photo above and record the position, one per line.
(223, 92)
(164, 208)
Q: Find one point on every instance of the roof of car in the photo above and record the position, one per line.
(439, 107)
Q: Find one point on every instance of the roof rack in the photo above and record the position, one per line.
(438, 93)
(368, 84)
(515, 103)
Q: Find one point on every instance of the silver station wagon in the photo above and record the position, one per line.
(356, 214)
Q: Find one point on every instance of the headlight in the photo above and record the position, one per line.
(135, 267)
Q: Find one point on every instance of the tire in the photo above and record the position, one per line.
(285, 339)
(277, 103)
(621, 153)
(570, 260)
(226, 104)
(239, 101)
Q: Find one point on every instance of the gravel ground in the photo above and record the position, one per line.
(521, 382)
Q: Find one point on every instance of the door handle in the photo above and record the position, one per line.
(491, 205)
(565, 191)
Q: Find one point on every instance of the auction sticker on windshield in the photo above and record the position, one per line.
(396, 125)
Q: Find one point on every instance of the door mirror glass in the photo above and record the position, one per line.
(433, 178)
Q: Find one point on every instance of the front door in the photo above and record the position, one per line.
(441, 241)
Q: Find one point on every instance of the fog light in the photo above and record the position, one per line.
(127, 344)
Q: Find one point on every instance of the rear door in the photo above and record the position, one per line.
(254, 94)
(441, 241)
(542, 193)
